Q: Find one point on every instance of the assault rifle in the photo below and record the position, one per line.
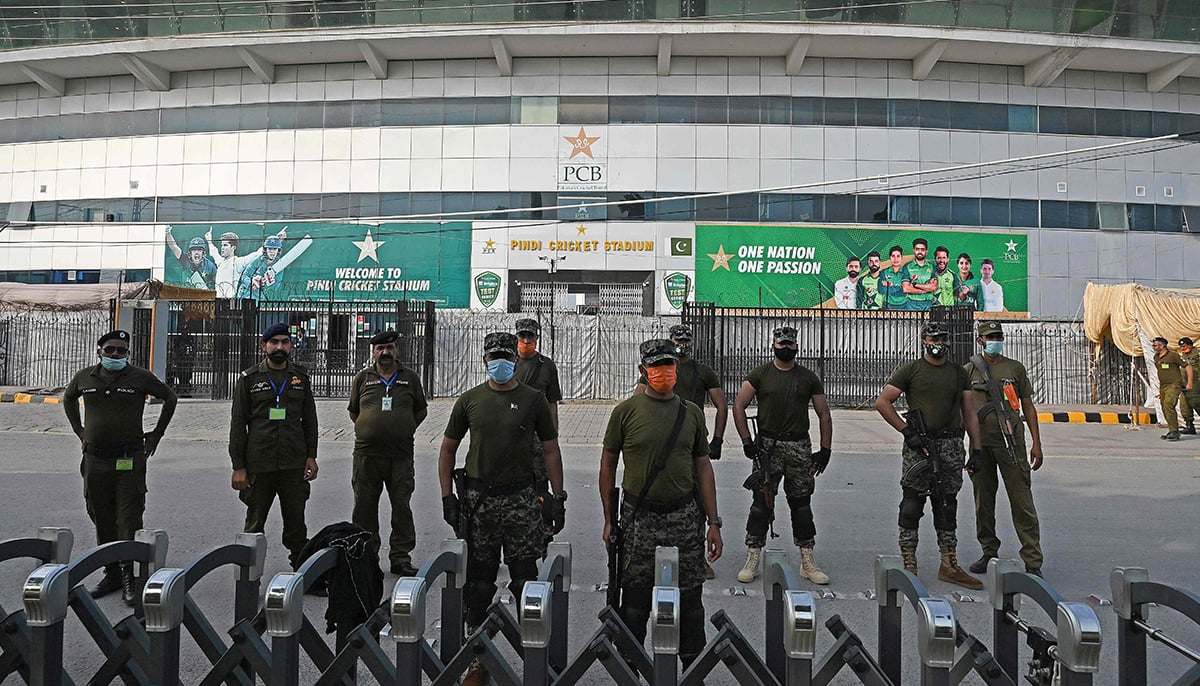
(760, 477)
(998, 404)
(916, 427)
(616, 549)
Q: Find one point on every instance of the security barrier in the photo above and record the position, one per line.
(271, 635)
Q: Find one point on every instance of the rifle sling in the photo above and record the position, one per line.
(660, 461)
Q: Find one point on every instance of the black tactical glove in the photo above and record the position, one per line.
(558, 517)
(750, 448)
(450, 511)
(544, 499)
(820, 460)
(914, 440)
(714, 449)
(975, 463)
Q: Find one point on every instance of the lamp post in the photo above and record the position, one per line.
(552, 269)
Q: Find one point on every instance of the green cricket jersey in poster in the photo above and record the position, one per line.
(317, 261)
(804, 266)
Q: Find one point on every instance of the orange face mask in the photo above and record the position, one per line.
(526, 349)
(661, 379)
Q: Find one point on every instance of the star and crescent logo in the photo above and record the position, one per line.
(368, 247)
(581, 144)
(720, 259)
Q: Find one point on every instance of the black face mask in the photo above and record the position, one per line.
(937, 350)
(785, 354)
(852, 274)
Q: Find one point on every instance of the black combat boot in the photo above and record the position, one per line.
(128, 584)
(1189, 429)
(109, 583)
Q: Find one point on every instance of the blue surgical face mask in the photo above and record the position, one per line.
(113, 364)
(993, 348)
(501, 370)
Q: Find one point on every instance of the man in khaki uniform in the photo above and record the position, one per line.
(1012, 383)
(1189, 404)
(116, 448)
(1171, 380)
(386, 405)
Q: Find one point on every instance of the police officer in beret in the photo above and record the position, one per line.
(273, 439)
(664, 504)
(538, 371)
(116, 447)
(498, 512)
(387, 405)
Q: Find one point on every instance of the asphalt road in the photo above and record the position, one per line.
(1107, 497)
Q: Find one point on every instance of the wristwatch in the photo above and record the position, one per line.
(715, 522)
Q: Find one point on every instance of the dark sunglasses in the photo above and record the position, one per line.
(114, 350)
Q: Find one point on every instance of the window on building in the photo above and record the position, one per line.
(536, 110)
(1113, 216)
(1141, 217)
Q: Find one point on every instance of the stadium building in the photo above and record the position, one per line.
(615, 155)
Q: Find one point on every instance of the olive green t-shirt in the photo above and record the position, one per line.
(386, 433)
(1005, 372)
(1170, 369)
(692, 380)
(637, 430)
(936, 390)
(541, 374)
(783, 397)
(495, 419)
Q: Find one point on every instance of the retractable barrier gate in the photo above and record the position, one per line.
(1133, 594)
(270, 634)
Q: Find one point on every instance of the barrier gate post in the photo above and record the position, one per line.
(936, 628)
(664, 616)
(1133, 594)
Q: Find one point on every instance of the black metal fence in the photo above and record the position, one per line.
(210, 342)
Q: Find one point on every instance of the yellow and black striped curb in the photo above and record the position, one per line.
(1097, 417)
(29, 399)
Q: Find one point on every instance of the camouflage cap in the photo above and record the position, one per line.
(681, 332)
(935, 329)
(988, 328)
(657, 350)
(785, 334)
(529, 326)
(500, 342)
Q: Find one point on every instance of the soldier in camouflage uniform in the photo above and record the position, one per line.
(499, 513)
(784, 390)
(539, 372)
(1189, 404)
(941, 391)
(670, 512)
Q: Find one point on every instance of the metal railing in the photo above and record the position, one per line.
(29, 23)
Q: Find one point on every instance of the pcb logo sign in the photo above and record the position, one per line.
(582, 161)
(487, 287)
(1010, 252)
(676, 287)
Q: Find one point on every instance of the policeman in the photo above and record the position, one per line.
(1190, 404)
(539, 372)
(784, 390)
(387, 405)
(940, 393)
(496, 509)
(1172, 378)
(668, 513)
(273, 439)
(996, 415)
(116, 447)
(696, 382)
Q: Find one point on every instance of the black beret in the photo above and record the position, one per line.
(277, 329)
(118, 334)
(384, 337)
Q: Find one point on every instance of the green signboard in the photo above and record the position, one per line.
(793, 266)
(320, 261)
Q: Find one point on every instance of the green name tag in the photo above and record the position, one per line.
(278, 414)
(124, 465)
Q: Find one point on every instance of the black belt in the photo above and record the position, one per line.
(791, 436)
(948, 433)
(482, 486)
(659, 507)
(117, 452)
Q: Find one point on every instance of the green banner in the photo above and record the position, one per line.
(282, 262)
(792, 266)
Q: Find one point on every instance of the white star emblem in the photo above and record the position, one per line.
(1011, 245)
(368, 247)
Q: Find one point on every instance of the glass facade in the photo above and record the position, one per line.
(55, 22)
(663, 109)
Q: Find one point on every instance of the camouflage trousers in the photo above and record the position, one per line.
(507, 525)
(679, 529)
(917, 484)
(791, 462)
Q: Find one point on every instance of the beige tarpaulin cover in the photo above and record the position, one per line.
(89, 296)
(1117, 312)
